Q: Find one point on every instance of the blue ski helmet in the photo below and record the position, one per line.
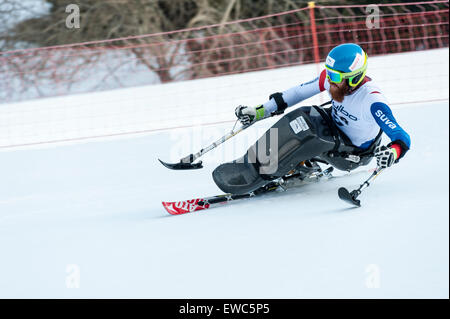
(346, 61)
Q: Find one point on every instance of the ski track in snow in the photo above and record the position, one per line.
(97, 205)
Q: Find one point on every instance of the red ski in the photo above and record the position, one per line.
(187, 206)
(193, 205)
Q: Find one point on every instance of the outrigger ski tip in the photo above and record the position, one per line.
(182, 165)
(348, 197)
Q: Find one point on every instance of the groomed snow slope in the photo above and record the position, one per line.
(97, 205)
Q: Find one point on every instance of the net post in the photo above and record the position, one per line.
(312, 19)
(311, 6)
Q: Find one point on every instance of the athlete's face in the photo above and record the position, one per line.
(338, 90)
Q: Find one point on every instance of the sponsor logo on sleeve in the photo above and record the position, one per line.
(310, 82)
(385, 119)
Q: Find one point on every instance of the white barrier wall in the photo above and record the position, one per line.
(403, 78)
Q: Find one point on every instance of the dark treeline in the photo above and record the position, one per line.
(108, 19)
(258, 44)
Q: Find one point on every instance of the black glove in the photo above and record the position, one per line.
(386, 156)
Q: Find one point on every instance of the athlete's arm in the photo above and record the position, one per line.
(278, 102)
(400, 140)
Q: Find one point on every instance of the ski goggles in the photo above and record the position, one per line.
(354, 78)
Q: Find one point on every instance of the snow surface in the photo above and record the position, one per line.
(97, 205)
